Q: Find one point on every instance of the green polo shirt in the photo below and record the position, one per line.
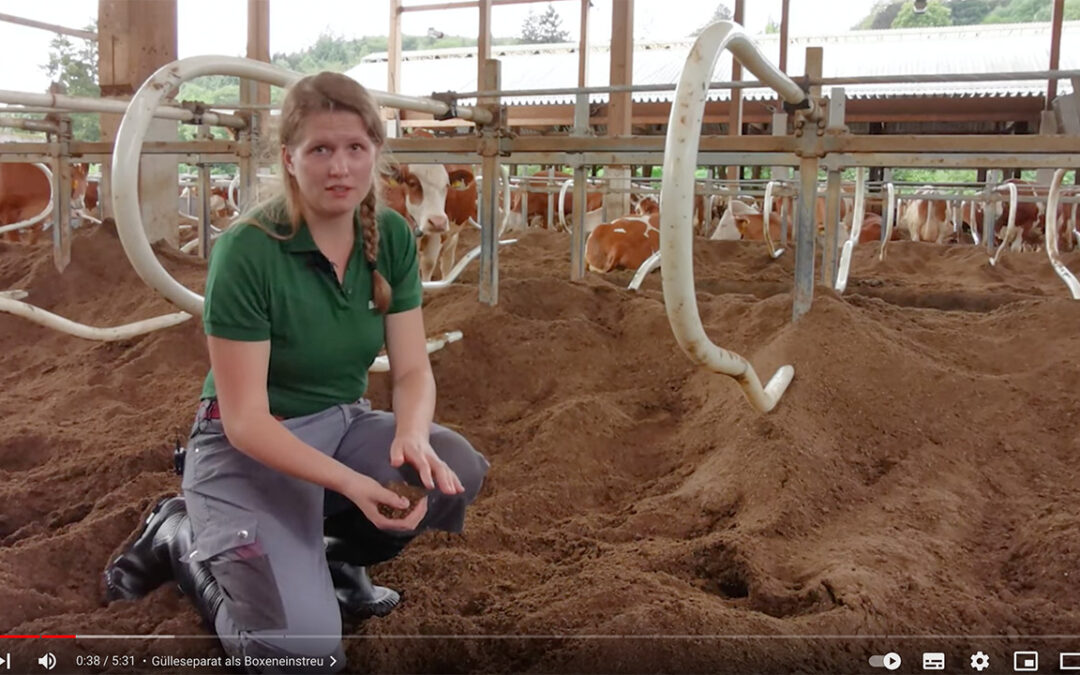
(323, 334)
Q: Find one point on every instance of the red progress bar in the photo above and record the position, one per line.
(20, 636)
(71, 637)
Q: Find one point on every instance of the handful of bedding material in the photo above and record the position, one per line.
(411, 492)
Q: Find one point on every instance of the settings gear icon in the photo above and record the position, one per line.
(980, 661)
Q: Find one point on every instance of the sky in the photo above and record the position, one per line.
(219, 26)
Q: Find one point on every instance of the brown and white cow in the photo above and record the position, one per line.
(624, 243)
(925, 219)
(646, 204)
(1030, 217)
(536, 204)
(25, 192)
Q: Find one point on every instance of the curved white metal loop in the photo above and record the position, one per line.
(234, 187)
(774, 250)
(890, 215)
(856, 228)
(646, 268)
(1051, 233)
(1010, 227)
(128, 149)
(45, 213)
(10, 303)
(136, 122)
(677, 203)
(973, 226)
(568, 184)
(504, 176)
(458, 268)
(381, 364)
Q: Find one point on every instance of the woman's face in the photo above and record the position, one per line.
(332, 161)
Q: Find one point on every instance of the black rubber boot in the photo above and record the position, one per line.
(159, 554)
(195, 578)
(357, 596)
(146, 564)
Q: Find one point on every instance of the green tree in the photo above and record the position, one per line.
(970, 12)
(881, 16)
(74, 66)
(771, 26)
(545, 28)
(721, 13)
(1027, 11)
(936, 14)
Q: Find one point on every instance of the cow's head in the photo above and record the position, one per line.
(647, 205)
(461, 179)
(78, 184)
(422, 192)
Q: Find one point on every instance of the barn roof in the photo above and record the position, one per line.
(953, 49)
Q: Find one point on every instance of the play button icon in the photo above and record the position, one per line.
(890, 661)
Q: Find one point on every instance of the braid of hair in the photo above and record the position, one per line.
(380, 287)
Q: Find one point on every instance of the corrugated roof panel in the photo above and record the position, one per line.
(959, 49)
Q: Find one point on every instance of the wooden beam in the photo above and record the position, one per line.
(393, 46)
(622, 66)
(813, 68)
(911, 109)
(135, 38)
(483, 35)
(432, 6)
(483, 48)
(1055, 49)
(258, 46)
(735, 107)
(620, 106)
(583, 47)
(785, 25)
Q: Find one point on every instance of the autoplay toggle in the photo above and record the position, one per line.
(890, 661)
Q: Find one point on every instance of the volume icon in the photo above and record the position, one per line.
(48, 662)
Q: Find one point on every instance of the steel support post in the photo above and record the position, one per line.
(830, 247)
(489, 194)
(577, 238)
(804, 238)
(61, 168)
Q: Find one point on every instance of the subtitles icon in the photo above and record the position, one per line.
(48, 662)
(1025, 662)
(890, 661)
(933, 661)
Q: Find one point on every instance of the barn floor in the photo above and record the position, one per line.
(918, 480)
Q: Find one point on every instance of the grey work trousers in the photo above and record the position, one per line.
(261, 531)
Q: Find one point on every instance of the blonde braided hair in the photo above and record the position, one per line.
(369, 227)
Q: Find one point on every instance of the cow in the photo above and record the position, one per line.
(872, 225)
(925, 219)
(460, 207)
(1030, 220)
(742, 215)
(645, 204)
(743, 221)
(536, 204)
(739, 217)
(25, 191)
(624, 243)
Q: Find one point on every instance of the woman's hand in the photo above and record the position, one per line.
(417, 450)
(367, 494)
